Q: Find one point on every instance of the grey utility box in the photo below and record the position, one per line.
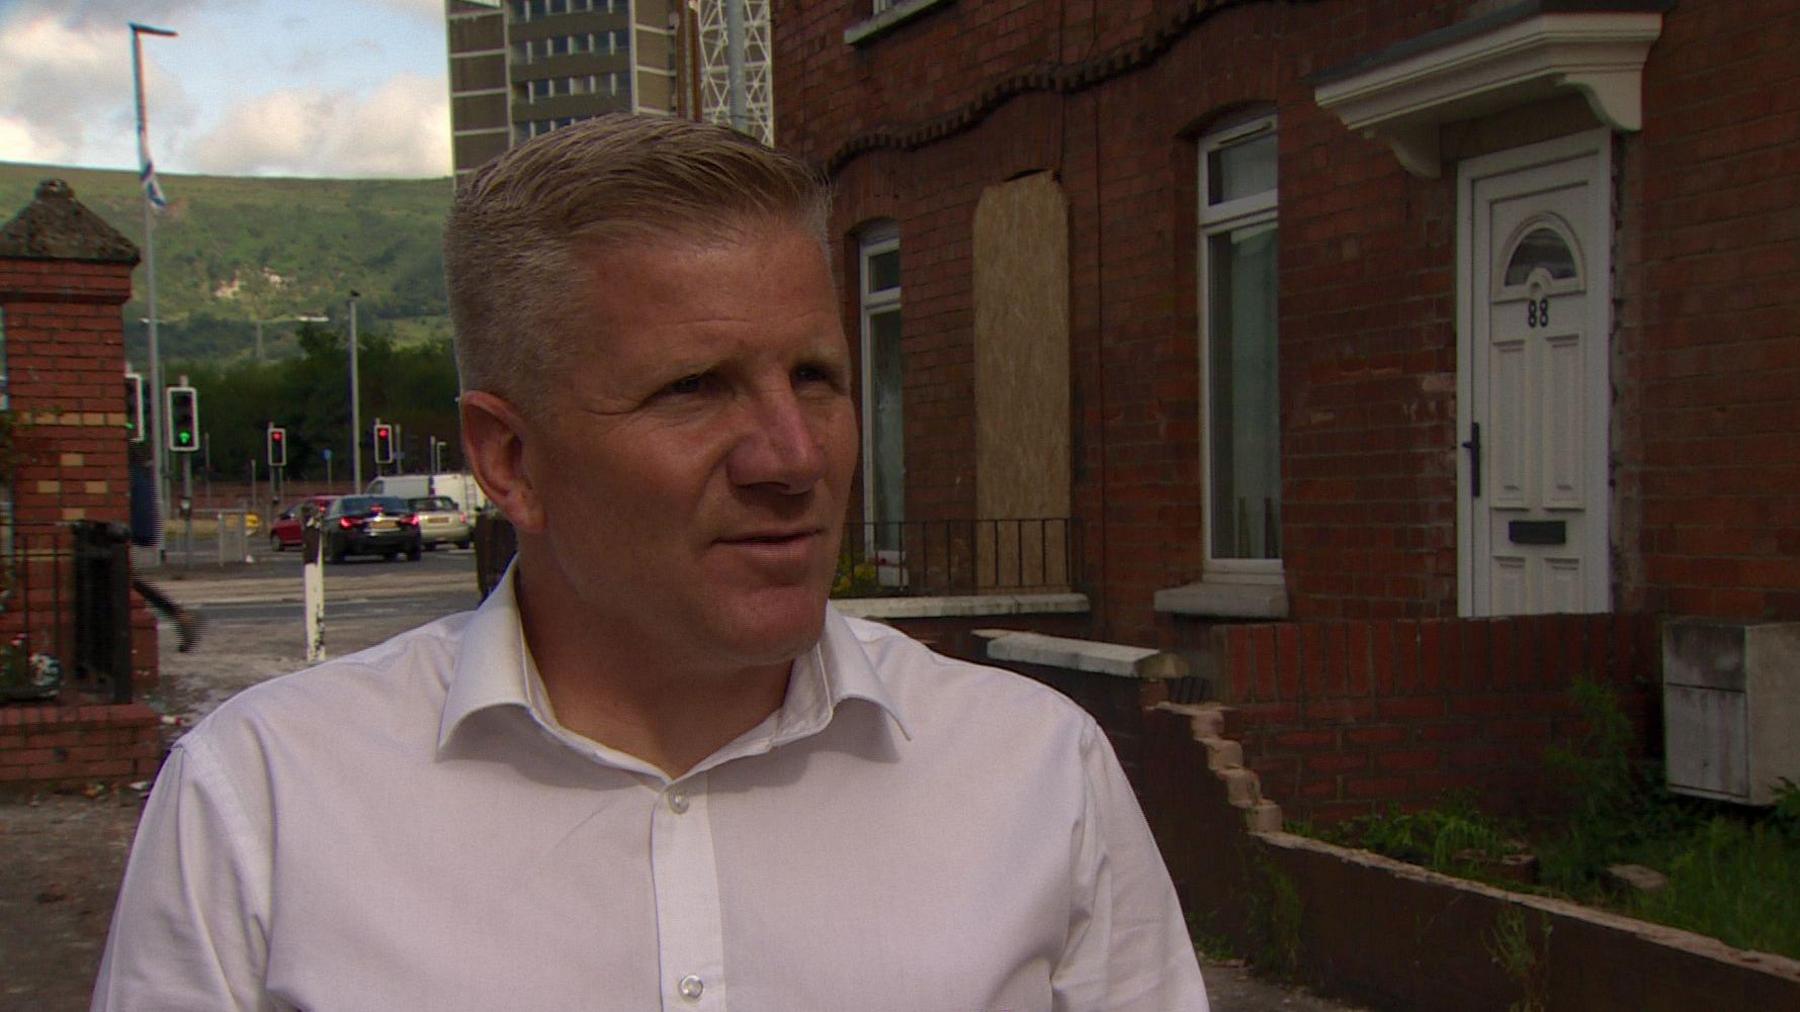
(1731, 708)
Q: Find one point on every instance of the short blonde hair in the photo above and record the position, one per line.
(518, 230)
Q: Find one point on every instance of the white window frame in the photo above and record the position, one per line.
(1215, 219)
(877, 239)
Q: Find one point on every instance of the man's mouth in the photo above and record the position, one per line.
(773, 537)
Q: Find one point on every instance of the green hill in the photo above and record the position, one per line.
(232, 250)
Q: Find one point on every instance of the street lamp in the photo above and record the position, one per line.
(289, 318)
(355, 410)
(152, 197)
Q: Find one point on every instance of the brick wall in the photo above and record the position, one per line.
(1710, 345)
(51, 747)
(1109, 97)
(1341, 718)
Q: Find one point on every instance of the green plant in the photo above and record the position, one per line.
(1454, 835)
(1275, 916)
(1731, 877)
(1509, 945)
(1786, 813)
(855, 579)
(1613, 800)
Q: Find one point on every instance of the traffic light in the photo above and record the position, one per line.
(134, 407)
(277, 446)
(384, 443)
(439, 450)
(183, 404)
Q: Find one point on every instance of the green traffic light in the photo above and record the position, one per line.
(184, 437)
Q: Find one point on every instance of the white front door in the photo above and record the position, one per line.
(1532, 376)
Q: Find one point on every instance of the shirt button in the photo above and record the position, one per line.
(690, 987)
(678, 802)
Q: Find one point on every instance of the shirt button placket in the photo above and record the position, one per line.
(688, 918)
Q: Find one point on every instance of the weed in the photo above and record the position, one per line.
(1275, 916)
(1786, 814)
(1730, 877)
(1452, 836)
(1509, 945)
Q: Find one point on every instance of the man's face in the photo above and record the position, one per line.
(693, 465)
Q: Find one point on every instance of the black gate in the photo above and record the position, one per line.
(102, 620)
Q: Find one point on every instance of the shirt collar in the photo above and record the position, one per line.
(494, 669)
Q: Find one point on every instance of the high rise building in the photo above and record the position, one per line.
(519, 68)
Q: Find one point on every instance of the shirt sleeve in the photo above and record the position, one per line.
(1128, 946)
(189, 929)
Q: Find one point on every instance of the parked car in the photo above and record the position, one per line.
(288, 530)
(441, 521)
(371, 525)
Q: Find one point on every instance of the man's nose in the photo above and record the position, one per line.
(782, 445)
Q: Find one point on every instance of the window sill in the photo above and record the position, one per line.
(964, 606)
(1224, 600)
(1115, 659)
(902, 12)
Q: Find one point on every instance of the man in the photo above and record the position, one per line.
(146, 532)
(655, 769)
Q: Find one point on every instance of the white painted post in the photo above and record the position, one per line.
(312, 578)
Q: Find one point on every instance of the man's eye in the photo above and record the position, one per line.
(808, 374)
(687, 384)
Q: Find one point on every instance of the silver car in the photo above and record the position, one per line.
(441, 521)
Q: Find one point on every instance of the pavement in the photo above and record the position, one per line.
(61, 855)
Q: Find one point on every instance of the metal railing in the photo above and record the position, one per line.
(65, 613)
(913, 558)
(960, 557)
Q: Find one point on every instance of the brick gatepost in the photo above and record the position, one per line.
(65, 275)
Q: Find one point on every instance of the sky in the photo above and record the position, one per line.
(323, 88)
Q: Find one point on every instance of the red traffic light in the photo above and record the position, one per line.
(278, 435)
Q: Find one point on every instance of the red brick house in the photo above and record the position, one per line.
(1395, 325)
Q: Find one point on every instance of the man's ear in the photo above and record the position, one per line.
(493, 438)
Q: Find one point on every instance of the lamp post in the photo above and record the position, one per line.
(152, 197)
(355, 410)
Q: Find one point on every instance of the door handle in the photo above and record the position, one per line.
(1473, 445)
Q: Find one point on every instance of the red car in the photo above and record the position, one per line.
(286, 531)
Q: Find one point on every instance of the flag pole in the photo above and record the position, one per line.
(152, 199)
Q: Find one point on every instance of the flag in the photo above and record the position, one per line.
(146, 167)
(147, 178)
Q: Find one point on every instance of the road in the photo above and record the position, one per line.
(255, 627)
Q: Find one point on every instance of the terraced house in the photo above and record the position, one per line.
(1396, 362)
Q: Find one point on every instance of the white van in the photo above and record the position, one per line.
(460, 486)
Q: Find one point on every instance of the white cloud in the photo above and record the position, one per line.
(402, 129)
(66, 90)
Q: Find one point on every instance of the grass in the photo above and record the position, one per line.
(1733, 873)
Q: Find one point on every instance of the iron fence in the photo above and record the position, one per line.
(65, 612)
(904, 558)
(960, 557)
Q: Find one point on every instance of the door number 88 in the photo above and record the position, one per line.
(1537, 312)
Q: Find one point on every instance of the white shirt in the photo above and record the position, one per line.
(409, 828)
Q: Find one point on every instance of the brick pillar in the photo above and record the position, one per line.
(65, 275)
